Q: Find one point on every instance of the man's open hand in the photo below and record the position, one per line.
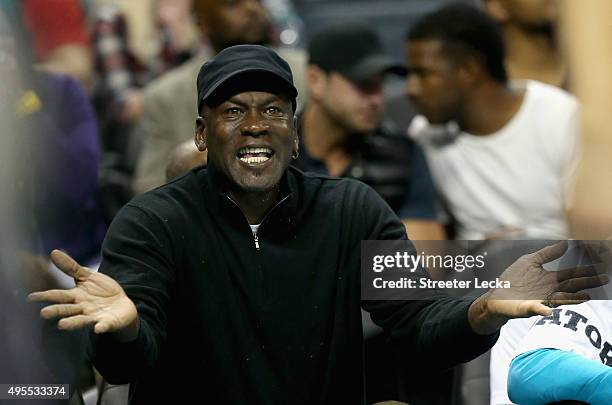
(534, 290)
(96, 300)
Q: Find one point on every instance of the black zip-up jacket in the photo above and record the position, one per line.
(225, 321)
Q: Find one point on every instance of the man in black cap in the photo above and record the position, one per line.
(341, 129)
(239, 283)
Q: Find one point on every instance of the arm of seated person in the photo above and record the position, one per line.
(545, 376)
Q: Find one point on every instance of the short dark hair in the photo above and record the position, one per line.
(468, 29)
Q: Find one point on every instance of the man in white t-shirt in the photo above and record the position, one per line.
(503, 166)
(501, 154)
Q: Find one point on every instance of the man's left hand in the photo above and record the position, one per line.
(534, 290)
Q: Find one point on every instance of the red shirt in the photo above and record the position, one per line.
(53, 23)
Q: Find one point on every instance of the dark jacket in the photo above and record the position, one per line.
(223, 321)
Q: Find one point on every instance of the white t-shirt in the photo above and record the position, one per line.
(515, 178)
(254, 228)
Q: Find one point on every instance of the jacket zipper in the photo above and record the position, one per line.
(256, 240)
(255, 237)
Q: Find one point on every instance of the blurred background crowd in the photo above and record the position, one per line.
(480, 119)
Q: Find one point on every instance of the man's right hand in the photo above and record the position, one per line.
(96, 300)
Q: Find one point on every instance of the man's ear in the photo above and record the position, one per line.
(200, 134)
(295, 131)
(471, 69)
(296, 140)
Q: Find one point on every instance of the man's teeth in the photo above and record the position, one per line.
(252, 155)
(254, 159)
(245, 151)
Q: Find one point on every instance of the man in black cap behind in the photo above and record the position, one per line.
(239, 283)
(341, 129)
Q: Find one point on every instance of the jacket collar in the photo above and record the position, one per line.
(279, 220)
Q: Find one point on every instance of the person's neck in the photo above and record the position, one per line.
(533, 55)
(490, 107)
(255, 206)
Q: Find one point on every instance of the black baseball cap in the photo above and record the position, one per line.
(244, 68)
(353, 50)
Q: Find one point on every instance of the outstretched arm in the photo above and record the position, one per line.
(426, 326)
(126, 302)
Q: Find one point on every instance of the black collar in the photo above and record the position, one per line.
(279, 220)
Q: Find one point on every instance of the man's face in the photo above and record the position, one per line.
(356, 106)
(233, 22)
(250, 138)
(434, 85)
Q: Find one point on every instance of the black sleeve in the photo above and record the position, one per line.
(138, 254)
(437, 328)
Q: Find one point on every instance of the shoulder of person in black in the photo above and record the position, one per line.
(380, 159)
